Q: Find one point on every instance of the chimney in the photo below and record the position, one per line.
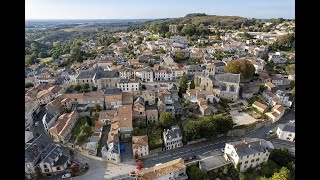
(249, 146)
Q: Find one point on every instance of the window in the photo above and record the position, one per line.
(246, 162)
(58, 169)
(289, 135)
(245, 166)
(248, 156)
(46, 170)
(257, 159)
(252, 160)
(45, 166)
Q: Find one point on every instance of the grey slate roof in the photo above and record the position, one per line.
(51, 154)
(48, 116)
(289, 127)
(251, 146)
(109, 91)
(226, 77)
(35, 147)
(86, 74)
(174, 132)
(97, 74)
(106, 74)
(61, 161)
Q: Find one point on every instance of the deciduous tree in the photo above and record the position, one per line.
(183, 84)
(241, 66)
(166, 120)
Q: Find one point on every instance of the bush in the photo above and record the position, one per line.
(27, 85)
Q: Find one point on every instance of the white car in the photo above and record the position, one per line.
(222, 150)
(65, 176)
(36, 123)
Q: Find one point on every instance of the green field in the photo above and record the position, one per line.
(69, 29)
(44, 60)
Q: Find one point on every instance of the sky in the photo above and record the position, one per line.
(154, 9)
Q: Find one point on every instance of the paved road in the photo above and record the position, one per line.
(189, 150)
(262, 133)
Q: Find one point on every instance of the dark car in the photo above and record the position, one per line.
(192, 157)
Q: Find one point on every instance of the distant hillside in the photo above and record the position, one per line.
(198, 19)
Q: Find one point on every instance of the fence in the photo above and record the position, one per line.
(154, 151)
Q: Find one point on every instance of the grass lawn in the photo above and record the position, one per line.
(76, 130)
(65, 55)
(69, 29)
(45, 60)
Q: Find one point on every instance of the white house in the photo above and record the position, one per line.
(111, 152)
(248, 153)
(33, 151)
(280, 80)
(145, 74)
(49, 119)
(286, 131)
(172, 138)
(258, 66)
(163, 75)
(128, 85)
(140, 146)
(277, 59)
(269, 97)
(54, 162)
(284, 98)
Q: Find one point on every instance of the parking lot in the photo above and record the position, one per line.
(242, 118)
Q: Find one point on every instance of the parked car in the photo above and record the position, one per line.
(222, 150)
(185, 159)
(132, 174)
(36, 123)
(192, 157)
(65, 176)
(270, 132)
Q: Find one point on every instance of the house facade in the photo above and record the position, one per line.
(276, 113)
(128, 85)
(152, 115)
(140, 146)
(54, 162)
(286, 131)
(172, 138)
(248, 153)
(175, 169)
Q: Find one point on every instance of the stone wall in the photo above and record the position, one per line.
(247, 130)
